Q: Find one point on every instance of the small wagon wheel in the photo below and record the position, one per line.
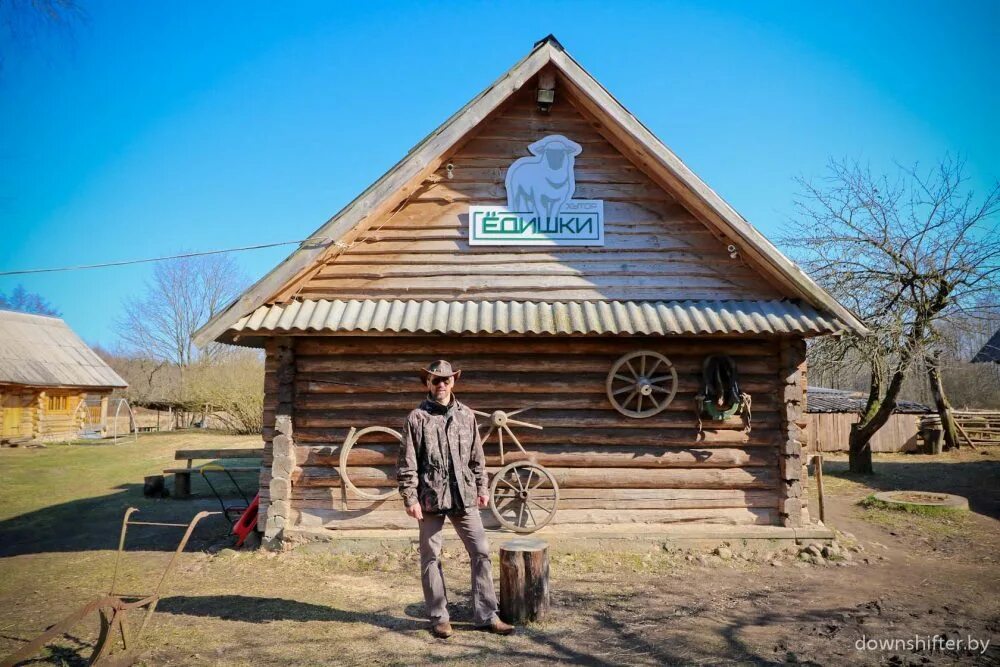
(500, 421)
(523, 496)
(641, 384)
(345, 450)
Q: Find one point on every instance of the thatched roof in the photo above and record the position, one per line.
(41, 351)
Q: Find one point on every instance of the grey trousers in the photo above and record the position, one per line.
(469, 527)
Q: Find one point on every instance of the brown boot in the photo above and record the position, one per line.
(498, 627)
(442, 630)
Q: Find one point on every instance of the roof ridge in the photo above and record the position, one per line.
(13, 311)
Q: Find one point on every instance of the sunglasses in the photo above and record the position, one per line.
(439, 380)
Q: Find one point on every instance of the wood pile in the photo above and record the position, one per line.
(981, 426)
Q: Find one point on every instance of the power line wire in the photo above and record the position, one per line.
(155, 259)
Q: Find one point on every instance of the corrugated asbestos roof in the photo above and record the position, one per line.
(821, 399)
(518, 317)
(43, 351)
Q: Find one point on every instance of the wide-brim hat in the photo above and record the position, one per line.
(441, 369)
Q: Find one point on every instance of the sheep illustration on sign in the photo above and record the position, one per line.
(545, 181)
(540, 206)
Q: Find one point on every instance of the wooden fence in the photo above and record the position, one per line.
(830, 431)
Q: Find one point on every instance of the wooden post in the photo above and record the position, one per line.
(104, 416)
(182, 484)
(818, 467)
(524, 580)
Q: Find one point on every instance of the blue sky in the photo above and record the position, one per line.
(158, 127)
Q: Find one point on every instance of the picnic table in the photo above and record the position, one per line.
(182, 476)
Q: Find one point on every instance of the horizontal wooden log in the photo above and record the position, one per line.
(336, 519)
(474, 283)
(487, 293)
(758, 437)
(734, 497)
(333, 499)
(515, 148)
(544, 418)
(686, 345)
(599, 364)
(456, 227)
(417, 214)
(487, 402)
(619, 478)
(504, 256)
(567, 456)
(523, 383)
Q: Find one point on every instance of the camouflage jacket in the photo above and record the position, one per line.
(433, 436)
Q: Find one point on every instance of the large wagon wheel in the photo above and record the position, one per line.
(523, 496)
(641, 377)
(352, 438)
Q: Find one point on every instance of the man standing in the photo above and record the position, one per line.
(442, 472)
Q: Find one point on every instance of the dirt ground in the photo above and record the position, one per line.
(908, 578)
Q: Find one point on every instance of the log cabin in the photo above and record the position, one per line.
(47, 377)
(544, 241)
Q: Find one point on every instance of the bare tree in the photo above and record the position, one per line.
(232, 386)
(24, 301)
(182, 295)
(904, 254)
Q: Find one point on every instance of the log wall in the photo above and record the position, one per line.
(36, 420)
(20, 406)
(610, 468)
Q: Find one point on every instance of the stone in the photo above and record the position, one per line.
(282, 445)
(282, 508)
(283, 466)
(281, 488)
(725, 553)
(283, 424)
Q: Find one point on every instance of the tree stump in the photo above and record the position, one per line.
(153, 486)
(524, 580)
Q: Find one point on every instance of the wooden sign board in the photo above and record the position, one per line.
(540, 206)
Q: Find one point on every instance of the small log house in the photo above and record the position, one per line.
(395, 280)
(46, 374)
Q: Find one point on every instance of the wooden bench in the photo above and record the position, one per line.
(182, 476)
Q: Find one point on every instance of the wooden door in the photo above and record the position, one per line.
(11, 421)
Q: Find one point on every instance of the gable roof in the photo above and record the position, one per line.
(822, 399)
(42, 351)
(990, 351)
(628, 133)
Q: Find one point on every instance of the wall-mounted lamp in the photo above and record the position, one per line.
(546, 96)
(733, 251)
(450, 170)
